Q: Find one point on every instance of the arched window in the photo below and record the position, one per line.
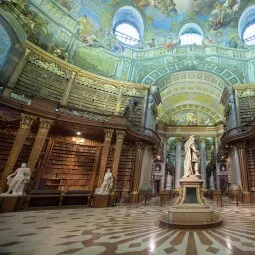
(190, 34)
(128, 25)
(249, 35)
(246, 26)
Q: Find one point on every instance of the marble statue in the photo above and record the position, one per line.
(212, 185)
(191, 158)
(107, 185)
(18, 179)
(169, 182)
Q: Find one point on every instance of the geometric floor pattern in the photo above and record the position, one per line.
(128, 229)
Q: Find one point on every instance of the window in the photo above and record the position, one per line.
(190, 34)
(249, 35)
(127, 34)
(128, 25)
(246, 26)
(191, 38)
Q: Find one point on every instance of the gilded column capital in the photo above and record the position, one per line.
(27, 121)
(202, 139)
(45, 124)
(108, 133)
(27, 52)
(241, 145)
(73, 74)
(120, 134)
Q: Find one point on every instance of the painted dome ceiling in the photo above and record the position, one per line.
(83, 32)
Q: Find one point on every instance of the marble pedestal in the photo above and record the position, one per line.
(100, 201)
(190, 210)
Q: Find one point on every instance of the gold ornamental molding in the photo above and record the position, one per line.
(60, 65)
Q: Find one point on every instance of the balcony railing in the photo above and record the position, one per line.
(112, 119)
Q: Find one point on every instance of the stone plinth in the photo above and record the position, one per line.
(100, 201)
(191, 210)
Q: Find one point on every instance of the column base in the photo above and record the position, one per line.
(134, 197)
(246, 197)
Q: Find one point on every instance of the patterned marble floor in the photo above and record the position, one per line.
(123, 230)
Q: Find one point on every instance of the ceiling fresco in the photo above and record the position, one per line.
(163, 19)
(193, 118)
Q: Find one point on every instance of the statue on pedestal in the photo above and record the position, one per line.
(18, 179)
(169, 182)
(191, 158)
(107, 185)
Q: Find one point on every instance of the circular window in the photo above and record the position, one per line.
(249, 35)
(190, 34)
(127, 34)
(128, 25)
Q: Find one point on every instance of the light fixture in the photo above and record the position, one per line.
(57, 107)
(78, 133)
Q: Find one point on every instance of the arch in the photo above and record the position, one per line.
(129, 15)
(247, 18)
(188, 105)
(191, 33)
(156, 76)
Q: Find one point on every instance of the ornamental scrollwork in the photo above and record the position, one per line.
(96, 85)
(246, 93)
(49, 66)
(87, 115)
(133, 92)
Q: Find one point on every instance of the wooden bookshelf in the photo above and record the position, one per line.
(70, 166)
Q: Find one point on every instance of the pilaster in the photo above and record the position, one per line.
(118, 104)
(41, 136)
(105, 152)
(22, 133)
(243, 171)
(119, 141)
(68, 89)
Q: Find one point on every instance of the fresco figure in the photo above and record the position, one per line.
(191, 158)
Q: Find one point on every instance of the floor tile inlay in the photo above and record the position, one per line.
(126, 230)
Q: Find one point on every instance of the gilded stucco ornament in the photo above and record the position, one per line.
(87, 115)
(246, 93)
(49, 66)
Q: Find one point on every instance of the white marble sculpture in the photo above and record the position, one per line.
(212, 186)
(191, 158)
(169, 182)
(17, 180)
(107, 185)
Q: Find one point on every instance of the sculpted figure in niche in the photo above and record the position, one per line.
(107, 185)
(191, 158)
(18, 179)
